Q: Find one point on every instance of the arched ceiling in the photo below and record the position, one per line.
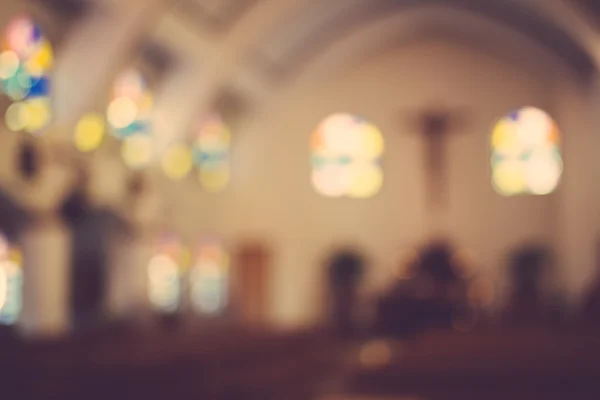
(320, 24)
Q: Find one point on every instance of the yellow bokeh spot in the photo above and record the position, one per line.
(505, 138)
(509, 178)
(186, 260)
(214, 180)
(177, 162)
(373, 142)
(366, 181)
(41, 61)
(225, 261)
(16, 257)
(16, 117)
(145, 103)
(38, 114)
(89, 132)
(137, 151)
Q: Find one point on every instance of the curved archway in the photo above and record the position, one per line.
(314, 29)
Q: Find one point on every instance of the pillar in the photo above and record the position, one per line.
(128, 278)
(46, 245)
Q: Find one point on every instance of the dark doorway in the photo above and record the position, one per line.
(346, 268)
(94, 232)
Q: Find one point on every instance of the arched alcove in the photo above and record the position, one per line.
(345, 270)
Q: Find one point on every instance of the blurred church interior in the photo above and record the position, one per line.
(300, 199)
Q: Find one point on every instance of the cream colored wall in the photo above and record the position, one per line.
(271, 194)
(579, 195)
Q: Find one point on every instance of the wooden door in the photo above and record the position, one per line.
(251, 283)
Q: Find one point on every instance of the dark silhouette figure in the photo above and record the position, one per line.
(591, 299)
(529, 303)
(346, 269)
(94, 232)
(432, 299)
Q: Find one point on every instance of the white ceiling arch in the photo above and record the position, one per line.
(552, 24)
(401, 29)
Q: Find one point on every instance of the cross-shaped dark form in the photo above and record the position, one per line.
(434, 125)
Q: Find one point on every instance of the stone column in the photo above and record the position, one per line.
(127, 297)
(46, 245)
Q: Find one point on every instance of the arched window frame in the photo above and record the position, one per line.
(210, 278)
(346, 157)
(526, 154)
(166, 270)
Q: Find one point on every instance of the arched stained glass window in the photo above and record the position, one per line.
(129, 117)
(209, 278)
(526, 157)
(211, 154)
(346, 155)
(165, 271)
(11, 282)
(26, 63)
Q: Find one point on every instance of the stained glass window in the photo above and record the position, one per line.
(209, 278)
(211, 154)
(11, 282)
(165, 271)
(129, 117)
(25, 66)
(526, 157)
(346, 155)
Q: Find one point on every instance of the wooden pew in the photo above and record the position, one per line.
(503, 365)
(158, 365)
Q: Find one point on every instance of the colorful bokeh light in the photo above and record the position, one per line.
(346, 157)
(130, 108)
(129, 115)
(89, 132)
(165, 271)
(11, 282)
(26, 63)
(177, 162)
(209, 281)
(526, 157)
(211, 153)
